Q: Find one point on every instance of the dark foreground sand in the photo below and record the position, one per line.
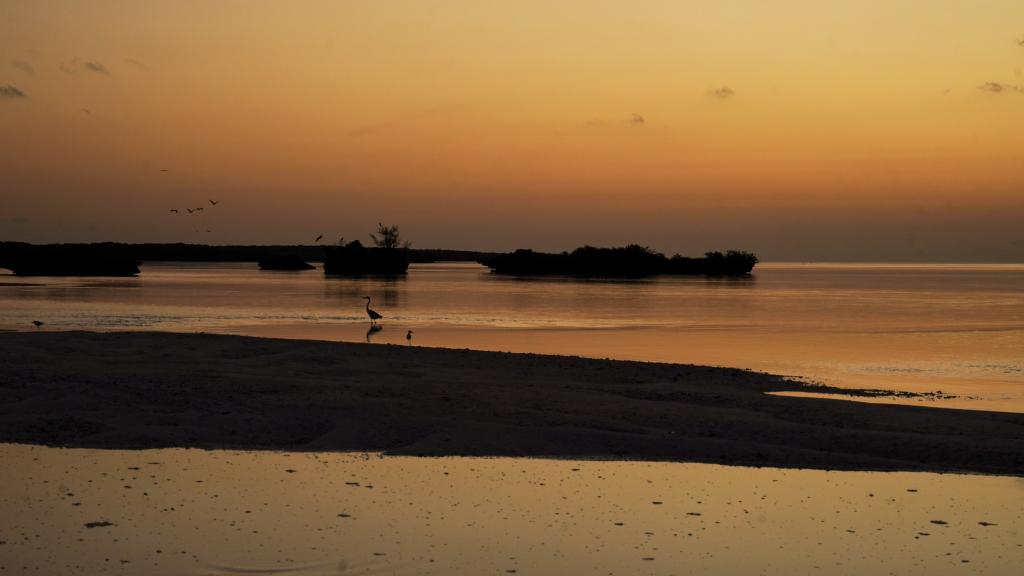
(153, 390)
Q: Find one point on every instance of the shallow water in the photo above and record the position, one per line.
(955, 328)
(219, 512)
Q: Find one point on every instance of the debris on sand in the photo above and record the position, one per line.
(100, 524)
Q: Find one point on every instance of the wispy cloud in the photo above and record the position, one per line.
(137, 63)
(998, 87)
(10, 92)
(14, 221)
(69, 68)
(636, 119)
(723, 93)
(369, 129)
(23, 66)
(96, 67)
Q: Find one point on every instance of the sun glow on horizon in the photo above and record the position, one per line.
(881, 130)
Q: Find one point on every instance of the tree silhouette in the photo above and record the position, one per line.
(387, 237)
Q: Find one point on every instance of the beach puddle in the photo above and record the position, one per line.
(179, 511)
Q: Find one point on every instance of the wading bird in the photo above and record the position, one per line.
(374, 316)
(408, 336)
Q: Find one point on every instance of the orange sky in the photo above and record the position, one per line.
(796, 129)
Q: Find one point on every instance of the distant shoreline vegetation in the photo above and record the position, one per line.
(119, 259)
(626, 261)
(388, 257)
(354, 259)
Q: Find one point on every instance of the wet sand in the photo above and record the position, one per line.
(158, 390)
(177, 511)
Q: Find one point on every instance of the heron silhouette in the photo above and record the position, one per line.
(374, 316)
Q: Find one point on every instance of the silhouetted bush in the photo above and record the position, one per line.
(627, 261)
(67, 260)
(354, 259)
(389, 238)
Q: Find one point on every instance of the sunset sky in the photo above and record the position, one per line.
(797, 129)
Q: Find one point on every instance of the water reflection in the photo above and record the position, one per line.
(387, 290)
(373, 329)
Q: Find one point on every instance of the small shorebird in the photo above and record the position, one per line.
(37, 323)
(374, 316)
(408, 336)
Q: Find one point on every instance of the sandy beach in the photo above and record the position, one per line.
(221, 512)
(161, 390)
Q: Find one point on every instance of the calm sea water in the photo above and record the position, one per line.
(956, 328)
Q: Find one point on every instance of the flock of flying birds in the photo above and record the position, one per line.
(212, 204)
(196, 209)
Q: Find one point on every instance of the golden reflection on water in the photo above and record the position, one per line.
(955, 328)
(988, 378)
(220, 512)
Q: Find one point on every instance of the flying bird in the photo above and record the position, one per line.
(163, 169)
(37, 323)
(199, 209)
(374, 316)
(318, 238)
(174, 210)
(190, 210)
(213, 202)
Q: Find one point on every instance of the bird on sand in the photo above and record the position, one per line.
(37, 323)
(213, 202)
(408, 336)
(374, 316)
(318, 238)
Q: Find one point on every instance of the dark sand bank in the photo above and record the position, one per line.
(151, 390)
